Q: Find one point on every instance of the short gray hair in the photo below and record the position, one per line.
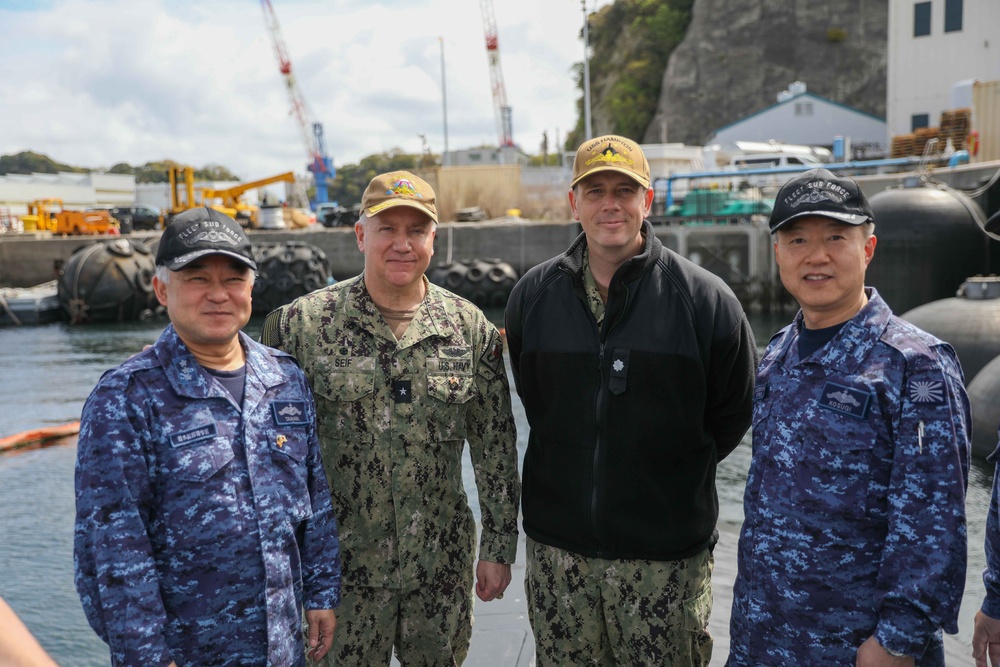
(163, 275)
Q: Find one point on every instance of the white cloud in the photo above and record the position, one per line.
(96, 82)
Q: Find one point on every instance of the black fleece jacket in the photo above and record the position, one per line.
(628, 422)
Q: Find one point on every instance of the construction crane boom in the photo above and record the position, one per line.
(500, 107)
(320, 164)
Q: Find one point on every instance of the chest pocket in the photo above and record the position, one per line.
(450, 386)
(834, 474)
(197, 454)
(290, 484)
(343, 396)
(202, 490)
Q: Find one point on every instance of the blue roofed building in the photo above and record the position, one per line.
(804, 118)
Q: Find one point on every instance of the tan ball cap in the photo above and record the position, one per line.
(399, 188)
(611, 153)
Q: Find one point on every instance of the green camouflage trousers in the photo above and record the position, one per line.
(431, 625)
(589, 611)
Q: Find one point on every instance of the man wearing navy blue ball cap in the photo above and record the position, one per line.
(853, 547)
(204, 522)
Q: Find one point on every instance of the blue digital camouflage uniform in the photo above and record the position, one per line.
(991, 575)
(393, 420)
(855, 500)
(203, 527)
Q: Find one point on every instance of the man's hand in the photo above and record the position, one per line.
(872, 654)
(492, 580)
(986, 640)
(322, 623)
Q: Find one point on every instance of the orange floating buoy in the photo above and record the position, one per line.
(38, 436)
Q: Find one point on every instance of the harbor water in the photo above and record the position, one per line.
(46, 374)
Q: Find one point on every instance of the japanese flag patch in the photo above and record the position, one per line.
(926, 392)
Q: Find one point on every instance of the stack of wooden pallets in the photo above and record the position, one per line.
(955, 125)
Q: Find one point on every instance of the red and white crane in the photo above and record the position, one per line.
(320, 163)
(500, 107)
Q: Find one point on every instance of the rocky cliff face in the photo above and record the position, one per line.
(737, 55)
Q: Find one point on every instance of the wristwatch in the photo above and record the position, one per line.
(895, 654)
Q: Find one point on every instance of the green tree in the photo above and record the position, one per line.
(350, 181)
(28, 162)
(631, 42)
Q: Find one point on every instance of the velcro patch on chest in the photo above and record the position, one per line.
(760, 392)
(461, 366)
(203, 432)
(289, 413)
(845, 400)
(402, 391)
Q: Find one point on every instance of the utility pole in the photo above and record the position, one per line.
(444, 106)
(587, 127)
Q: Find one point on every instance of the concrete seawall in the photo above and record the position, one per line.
(29, 259)
(739, 254)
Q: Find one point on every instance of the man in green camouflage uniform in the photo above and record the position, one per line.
(403, 373)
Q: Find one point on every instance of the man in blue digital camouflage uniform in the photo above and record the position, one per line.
(853, 547)
(986, 633)
(204, 524)
(405, 373)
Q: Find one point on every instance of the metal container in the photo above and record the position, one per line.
(271, 217)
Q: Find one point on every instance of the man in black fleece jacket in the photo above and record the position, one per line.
(636, 368)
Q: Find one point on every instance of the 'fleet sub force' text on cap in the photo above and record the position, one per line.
(819, 192)
(202, 231)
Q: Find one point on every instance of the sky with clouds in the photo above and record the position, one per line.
(97, 82)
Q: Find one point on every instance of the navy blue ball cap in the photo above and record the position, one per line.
(202, 231)
(820, 192)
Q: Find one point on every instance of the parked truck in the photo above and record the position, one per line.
(50, 215)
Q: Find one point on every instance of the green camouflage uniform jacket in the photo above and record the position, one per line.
(393, 417)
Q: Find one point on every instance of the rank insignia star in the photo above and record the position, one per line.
(281, 441)
(401, 391)
(618, 365)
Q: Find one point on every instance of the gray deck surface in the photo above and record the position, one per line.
(501, 636)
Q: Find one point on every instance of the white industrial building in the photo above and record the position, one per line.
(80, 191)
(486, 156)
(77, 191)
(936, 49)
(801, 117)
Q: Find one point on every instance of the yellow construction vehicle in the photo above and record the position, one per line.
(184, 195)
(49, 215)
